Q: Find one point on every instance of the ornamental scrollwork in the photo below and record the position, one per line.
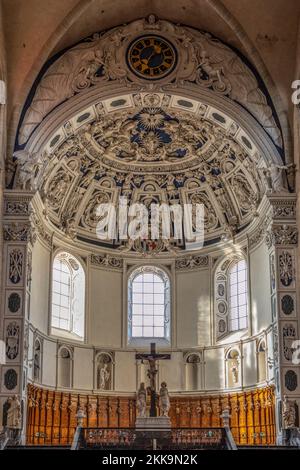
(12, 207)
(21, 232)
(284, 209)
(288, 336)
(12, 340)
(16, 265)
(192, 262)
(107, 261)
(205, 61)
(286, 268)
(190, 160)
(282, 235)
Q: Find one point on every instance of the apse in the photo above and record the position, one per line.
(150, 111)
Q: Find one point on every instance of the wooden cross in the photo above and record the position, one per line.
(152, 371)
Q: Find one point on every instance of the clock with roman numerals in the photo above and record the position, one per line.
(151, 57)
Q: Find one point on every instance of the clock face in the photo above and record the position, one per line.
(151, 57)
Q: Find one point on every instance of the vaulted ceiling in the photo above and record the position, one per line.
(93, 119)
(35, 31)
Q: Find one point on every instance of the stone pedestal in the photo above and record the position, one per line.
(290, 437)
(153, 432)
(159, 423)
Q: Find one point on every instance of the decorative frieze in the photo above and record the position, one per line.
(282, 235)
(284, 209)
(16, 207)
(192, 262)
(106, 260)
(284, 203)
(21, 232)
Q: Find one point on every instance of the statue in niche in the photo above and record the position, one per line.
(36, 366)
(235, 372)
(164, 399)
(141, 402)
(104, 377)
(104, 372)
(274, 178)
(14, 413)
(288, 413)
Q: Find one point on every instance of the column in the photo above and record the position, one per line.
(282, 241)
(18, 239)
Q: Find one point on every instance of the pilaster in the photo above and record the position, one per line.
(18, 238)
(282, 242)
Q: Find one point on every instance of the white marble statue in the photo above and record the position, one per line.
(288, 413)
(141, 402)
(164, 399)
(274, 178)
(14, 414)
(104, 377)
(80, 415)
(235, 373)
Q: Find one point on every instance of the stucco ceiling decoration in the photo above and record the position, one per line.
(150, 150)
(201, 60)
(82, 142)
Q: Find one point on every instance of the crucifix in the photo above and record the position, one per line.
(152, 371)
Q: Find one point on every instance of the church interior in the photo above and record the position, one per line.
(182, 103)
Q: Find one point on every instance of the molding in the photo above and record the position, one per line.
(106, 261)
(105, 59)
(190, 262)
(282, 235)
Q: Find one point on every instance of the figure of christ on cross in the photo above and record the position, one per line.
(152, 357)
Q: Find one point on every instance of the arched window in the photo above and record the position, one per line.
(238, 296)
(64, 369)
(149, 304)
(230, 294)
(68, 296)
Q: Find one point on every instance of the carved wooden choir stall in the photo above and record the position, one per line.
(51, 415)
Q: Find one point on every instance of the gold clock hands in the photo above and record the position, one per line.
(144, 67)
(157, 50)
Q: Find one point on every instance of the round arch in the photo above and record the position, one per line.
(220, 10)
